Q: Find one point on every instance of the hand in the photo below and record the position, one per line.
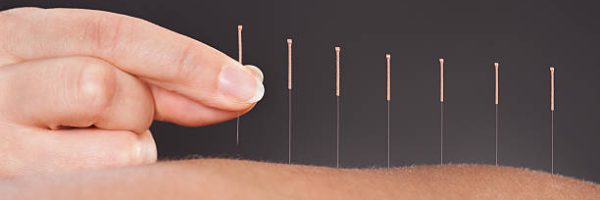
(192, 83)
(69, 113)
(80, 88)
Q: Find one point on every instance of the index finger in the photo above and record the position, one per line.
(159, 56)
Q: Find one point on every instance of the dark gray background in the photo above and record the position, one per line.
(526, 37)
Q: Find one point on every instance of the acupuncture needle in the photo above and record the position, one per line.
(337, 103)
(237, 122)
(552, 114)
(388, 99)
(496, 101)
(441, 111)
(289, 86)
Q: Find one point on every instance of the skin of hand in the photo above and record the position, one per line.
(233, 179)
(80, 88)
(70, 113)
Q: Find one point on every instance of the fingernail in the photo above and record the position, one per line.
(144, 149)
(238, 83)
(148, 151)
(256, 72)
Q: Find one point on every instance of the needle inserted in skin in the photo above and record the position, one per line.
(496, 104)
(388, 99)
(337, 103)
(289, 46)
(441, 110)
(237, 122)
(552, 114)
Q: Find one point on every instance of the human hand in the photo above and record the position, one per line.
(70, 113)
(66, 103)
(192, 83)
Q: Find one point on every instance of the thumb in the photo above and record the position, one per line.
(36, 151)
(71, 113)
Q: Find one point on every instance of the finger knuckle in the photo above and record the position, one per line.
(186, 61)
(106, 32)
(96, 85)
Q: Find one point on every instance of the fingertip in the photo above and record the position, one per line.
(238, 83)
(256, 72)
(260, 87)
(147, 148)
(175, 108)
(259, 94)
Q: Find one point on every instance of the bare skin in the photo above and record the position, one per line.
(233, 179)
(80, 89)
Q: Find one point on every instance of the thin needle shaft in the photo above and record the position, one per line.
(388, 134)
(337, 103)
(237, 120)
(289, 126)
(289, 45)
(441, 133)
(337, 132)
(552, 135)
(496, 100)
(388, 99)
(496, 134)
(552, 115)
(441, 110)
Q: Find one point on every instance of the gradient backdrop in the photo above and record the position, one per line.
(525, 37)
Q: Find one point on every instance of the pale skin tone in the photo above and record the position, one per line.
(80, 89)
